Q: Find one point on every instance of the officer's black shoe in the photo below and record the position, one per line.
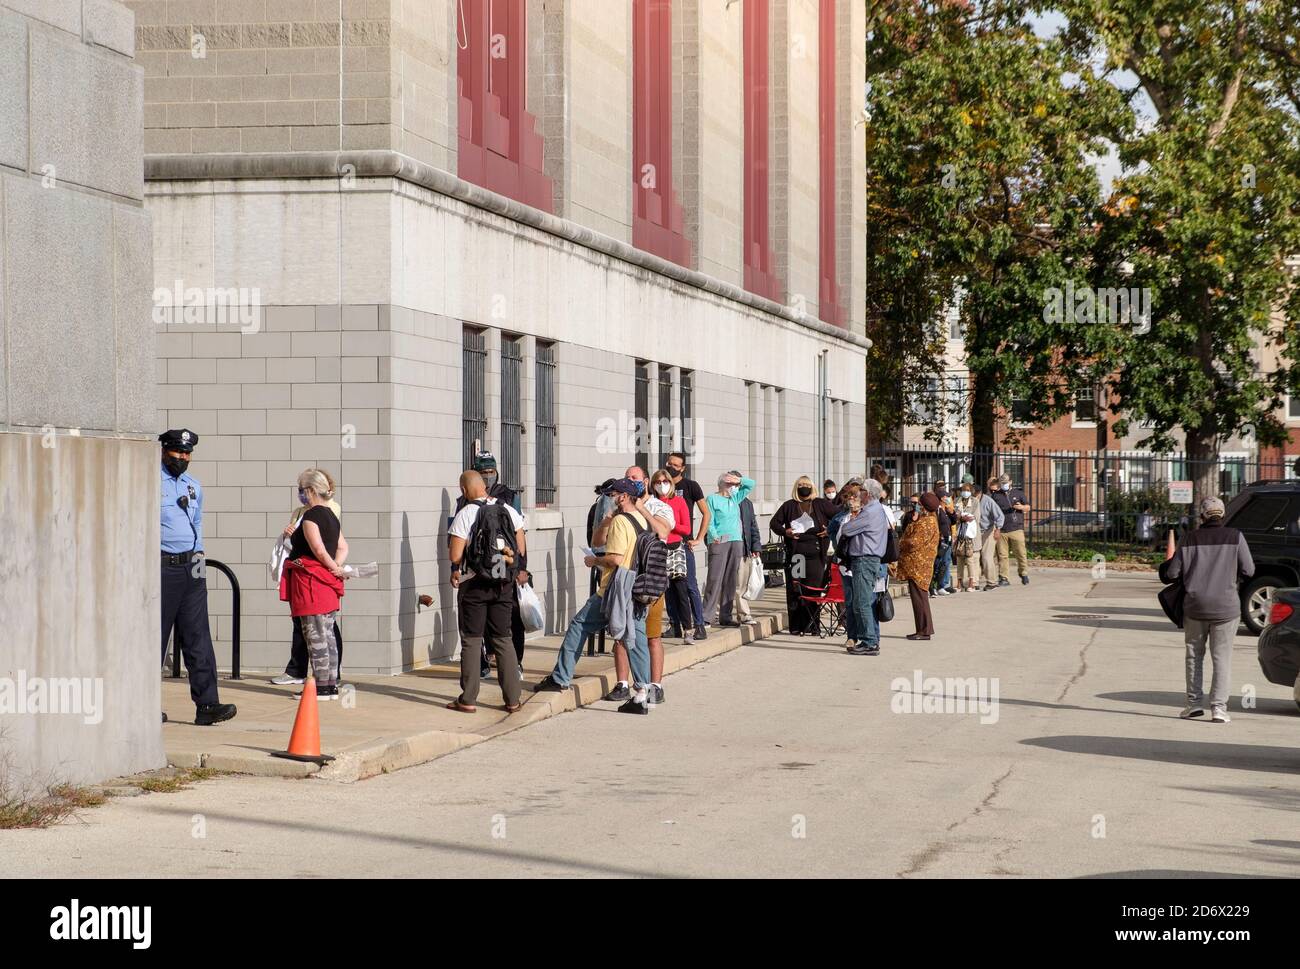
(164, 719)
(210, 713)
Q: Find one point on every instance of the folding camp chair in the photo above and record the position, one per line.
(828, 602)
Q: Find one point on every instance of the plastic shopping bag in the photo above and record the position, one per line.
(754, 587)
(278, 557)
(530, 609)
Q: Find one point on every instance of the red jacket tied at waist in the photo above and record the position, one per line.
(309, 588)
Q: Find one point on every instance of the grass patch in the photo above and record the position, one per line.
(59, 802)
(1078, 552)
(178, 781)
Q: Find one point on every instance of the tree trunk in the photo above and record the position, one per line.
(983, 430)
(1202, 467)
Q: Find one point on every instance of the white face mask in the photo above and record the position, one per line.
(830, 495)
(965, 494)
(664, 488)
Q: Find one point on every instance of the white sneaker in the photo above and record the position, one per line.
(284, 679)
(1220, 715)
(1191, 712)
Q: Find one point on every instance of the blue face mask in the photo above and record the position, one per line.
(302, 496)
(640, 488)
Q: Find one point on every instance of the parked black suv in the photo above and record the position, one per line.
(1268, 514)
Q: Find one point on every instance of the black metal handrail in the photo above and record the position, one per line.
(234, 625)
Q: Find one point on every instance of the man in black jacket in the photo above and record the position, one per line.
(1210, 562)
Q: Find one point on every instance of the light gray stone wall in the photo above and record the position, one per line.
(78, 464)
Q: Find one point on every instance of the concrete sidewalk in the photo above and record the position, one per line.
(392, 722)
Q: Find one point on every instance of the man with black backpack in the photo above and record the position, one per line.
(625, 552)
(487, 541)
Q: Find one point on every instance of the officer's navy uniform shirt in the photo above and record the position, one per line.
(176, 534)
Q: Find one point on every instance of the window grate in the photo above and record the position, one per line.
(685, 388)
(474, 392)
(665, 414)
(642, 404)
(510, 461)
(545, 424)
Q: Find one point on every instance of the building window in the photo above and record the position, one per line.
(1020, 411)
(760, 276)
(1085, 406)
(473, 393)
(657, 225)
(545, 424)
(499, 147)
(1293, 408)
(1063, 483)
(641, 398)
(511, 459)
(958, 402)
(927, 402)
(665, 414)
(685, 390)
(1014, 468)
(1137, 474)
(828, 297)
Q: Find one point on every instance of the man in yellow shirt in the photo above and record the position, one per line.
(620, 546)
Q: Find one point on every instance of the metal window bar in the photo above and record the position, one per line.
(685, 391)
(641, 402)
(473, 392)
(544, 490)
(665, 415)
(510, 461)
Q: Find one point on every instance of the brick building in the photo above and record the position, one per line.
(526, 223)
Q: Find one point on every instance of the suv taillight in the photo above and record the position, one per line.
(1280, 612)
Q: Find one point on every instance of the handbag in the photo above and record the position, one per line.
(675, 561)
(891, 547)
(883, 606)
(1171, 601)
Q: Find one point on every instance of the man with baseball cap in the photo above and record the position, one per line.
(184, 582)
(1210, 562)
(620, 545)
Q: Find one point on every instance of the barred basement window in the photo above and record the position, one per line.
(545, 424)
(510, 460)
(685, 389)
(473, 408)
(665, 414)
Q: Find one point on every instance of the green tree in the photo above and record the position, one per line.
(1206, 214)
(979, 139)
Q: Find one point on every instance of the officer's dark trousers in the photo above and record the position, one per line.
(516, 634)
(299, 661)
(185, 607)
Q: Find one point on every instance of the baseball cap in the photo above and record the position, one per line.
(623, 485)
(1211, 507)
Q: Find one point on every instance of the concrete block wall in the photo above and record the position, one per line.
(78, 465)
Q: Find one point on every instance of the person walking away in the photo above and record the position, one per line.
(1210, 562)
(295, 671)
(487, 539)
(915, 565)
(802, 521)
(620, 548)
(184, 592)
(726, 544)
(1011, 536)
(690, 490)
(862, 540)
(966, 545)
(661, 519)
(991, 520)
(486, 466)
(751, 554)
(312, 581)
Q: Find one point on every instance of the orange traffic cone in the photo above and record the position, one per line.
(304, 742)
(1169, 546)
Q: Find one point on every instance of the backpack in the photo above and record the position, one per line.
(650, 557)
(490, 551)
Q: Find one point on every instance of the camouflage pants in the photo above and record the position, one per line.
(318, 631)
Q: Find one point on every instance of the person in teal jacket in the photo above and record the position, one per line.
(725, 539)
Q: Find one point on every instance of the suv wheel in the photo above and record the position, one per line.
(1255, 601)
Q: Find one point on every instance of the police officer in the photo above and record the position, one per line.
(184, 584)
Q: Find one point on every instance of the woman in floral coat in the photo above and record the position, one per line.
(916, 552)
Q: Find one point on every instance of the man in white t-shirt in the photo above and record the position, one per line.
(483, 602)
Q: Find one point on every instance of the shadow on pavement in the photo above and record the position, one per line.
(1266, 705)
(1193, 753)
(1143, 627)
(1172, 873)
(1277, 798)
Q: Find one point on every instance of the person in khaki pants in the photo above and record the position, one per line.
(991, 520)
(1011, 537)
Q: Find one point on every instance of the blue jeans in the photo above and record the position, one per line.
(590, 619)
(864, 628)
(943, 566)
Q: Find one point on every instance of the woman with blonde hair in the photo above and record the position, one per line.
(312, 582)
(801, 522)
(295, 672)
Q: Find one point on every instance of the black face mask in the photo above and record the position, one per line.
(805, 492)
(175, 466)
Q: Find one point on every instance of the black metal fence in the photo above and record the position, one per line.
(1112, 497)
